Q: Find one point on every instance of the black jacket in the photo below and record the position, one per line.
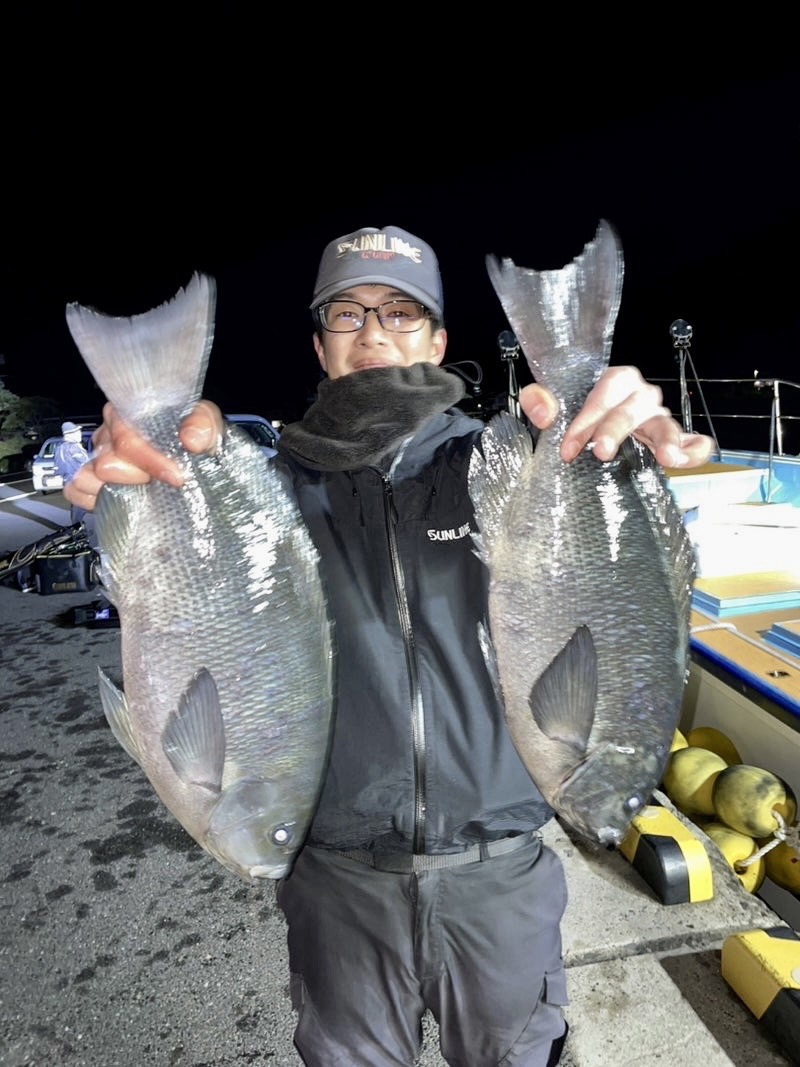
(421, 759)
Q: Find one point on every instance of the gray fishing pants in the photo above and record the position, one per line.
(479, 945)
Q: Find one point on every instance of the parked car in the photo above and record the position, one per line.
(46, 478)
(260, 429)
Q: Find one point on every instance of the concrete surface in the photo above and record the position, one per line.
(123, 943)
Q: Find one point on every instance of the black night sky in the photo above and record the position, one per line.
(143, 163)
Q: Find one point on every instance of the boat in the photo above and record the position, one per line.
(742, 510)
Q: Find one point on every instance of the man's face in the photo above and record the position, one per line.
(373, 346)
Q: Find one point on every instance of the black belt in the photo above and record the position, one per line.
(412, 862)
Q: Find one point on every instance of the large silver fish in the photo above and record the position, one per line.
(226, 640)
(590, 565)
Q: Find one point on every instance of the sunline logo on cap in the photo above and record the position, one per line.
(391, 257)
(379, 246)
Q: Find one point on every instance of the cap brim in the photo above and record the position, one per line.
(334, 289)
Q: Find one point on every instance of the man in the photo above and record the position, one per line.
(70, 453)
(69, 457)
(423, 883)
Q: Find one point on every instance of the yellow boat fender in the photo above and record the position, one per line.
(668, 856)
(763, 969)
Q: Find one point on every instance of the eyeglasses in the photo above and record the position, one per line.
(347, 316)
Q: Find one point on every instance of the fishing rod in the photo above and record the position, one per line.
(509, 353)
(68, 537)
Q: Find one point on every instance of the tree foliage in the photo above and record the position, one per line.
(24, 423)
(26, 415)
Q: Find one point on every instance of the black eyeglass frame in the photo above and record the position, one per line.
(320, 316)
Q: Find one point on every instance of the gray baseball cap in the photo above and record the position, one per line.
(390, 256)
(69, 427)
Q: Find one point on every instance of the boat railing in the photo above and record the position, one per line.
(743, 391)
(691, 399)
(694, 406)
(691, 391)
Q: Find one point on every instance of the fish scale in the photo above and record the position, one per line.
(590, 565)
(226, 641)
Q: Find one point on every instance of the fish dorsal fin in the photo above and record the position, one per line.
(490, 659)
(564, 697)
(117, 515)
(194, 736)
(668, 524)
(494, 468)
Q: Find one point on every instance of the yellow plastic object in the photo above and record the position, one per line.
(678, 741)
(689, 778)
(715, 740)
(782, 865)
(744, 797)
(736, 847)
(763, 969)
(668, 856)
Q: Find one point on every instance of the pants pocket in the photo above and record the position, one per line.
(540, 1043)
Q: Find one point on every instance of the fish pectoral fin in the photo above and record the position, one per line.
(563, 699)
(116, 711)
(194, 736)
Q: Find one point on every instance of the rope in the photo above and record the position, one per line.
(783, 833)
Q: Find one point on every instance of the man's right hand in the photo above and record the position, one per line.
(121, 455)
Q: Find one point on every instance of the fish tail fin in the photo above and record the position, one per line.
(154, 361)
(571, 309)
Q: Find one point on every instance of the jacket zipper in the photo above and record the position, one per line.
(417, 710)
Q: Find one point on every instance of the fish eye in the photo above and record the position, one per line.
(281, 835)
(632, 804)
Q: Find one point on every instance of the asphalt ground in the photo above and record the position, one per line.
(123, 942)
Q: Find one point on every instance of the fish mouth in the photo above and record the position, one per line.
(610, 836)
(260, 872)
(255, 873)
